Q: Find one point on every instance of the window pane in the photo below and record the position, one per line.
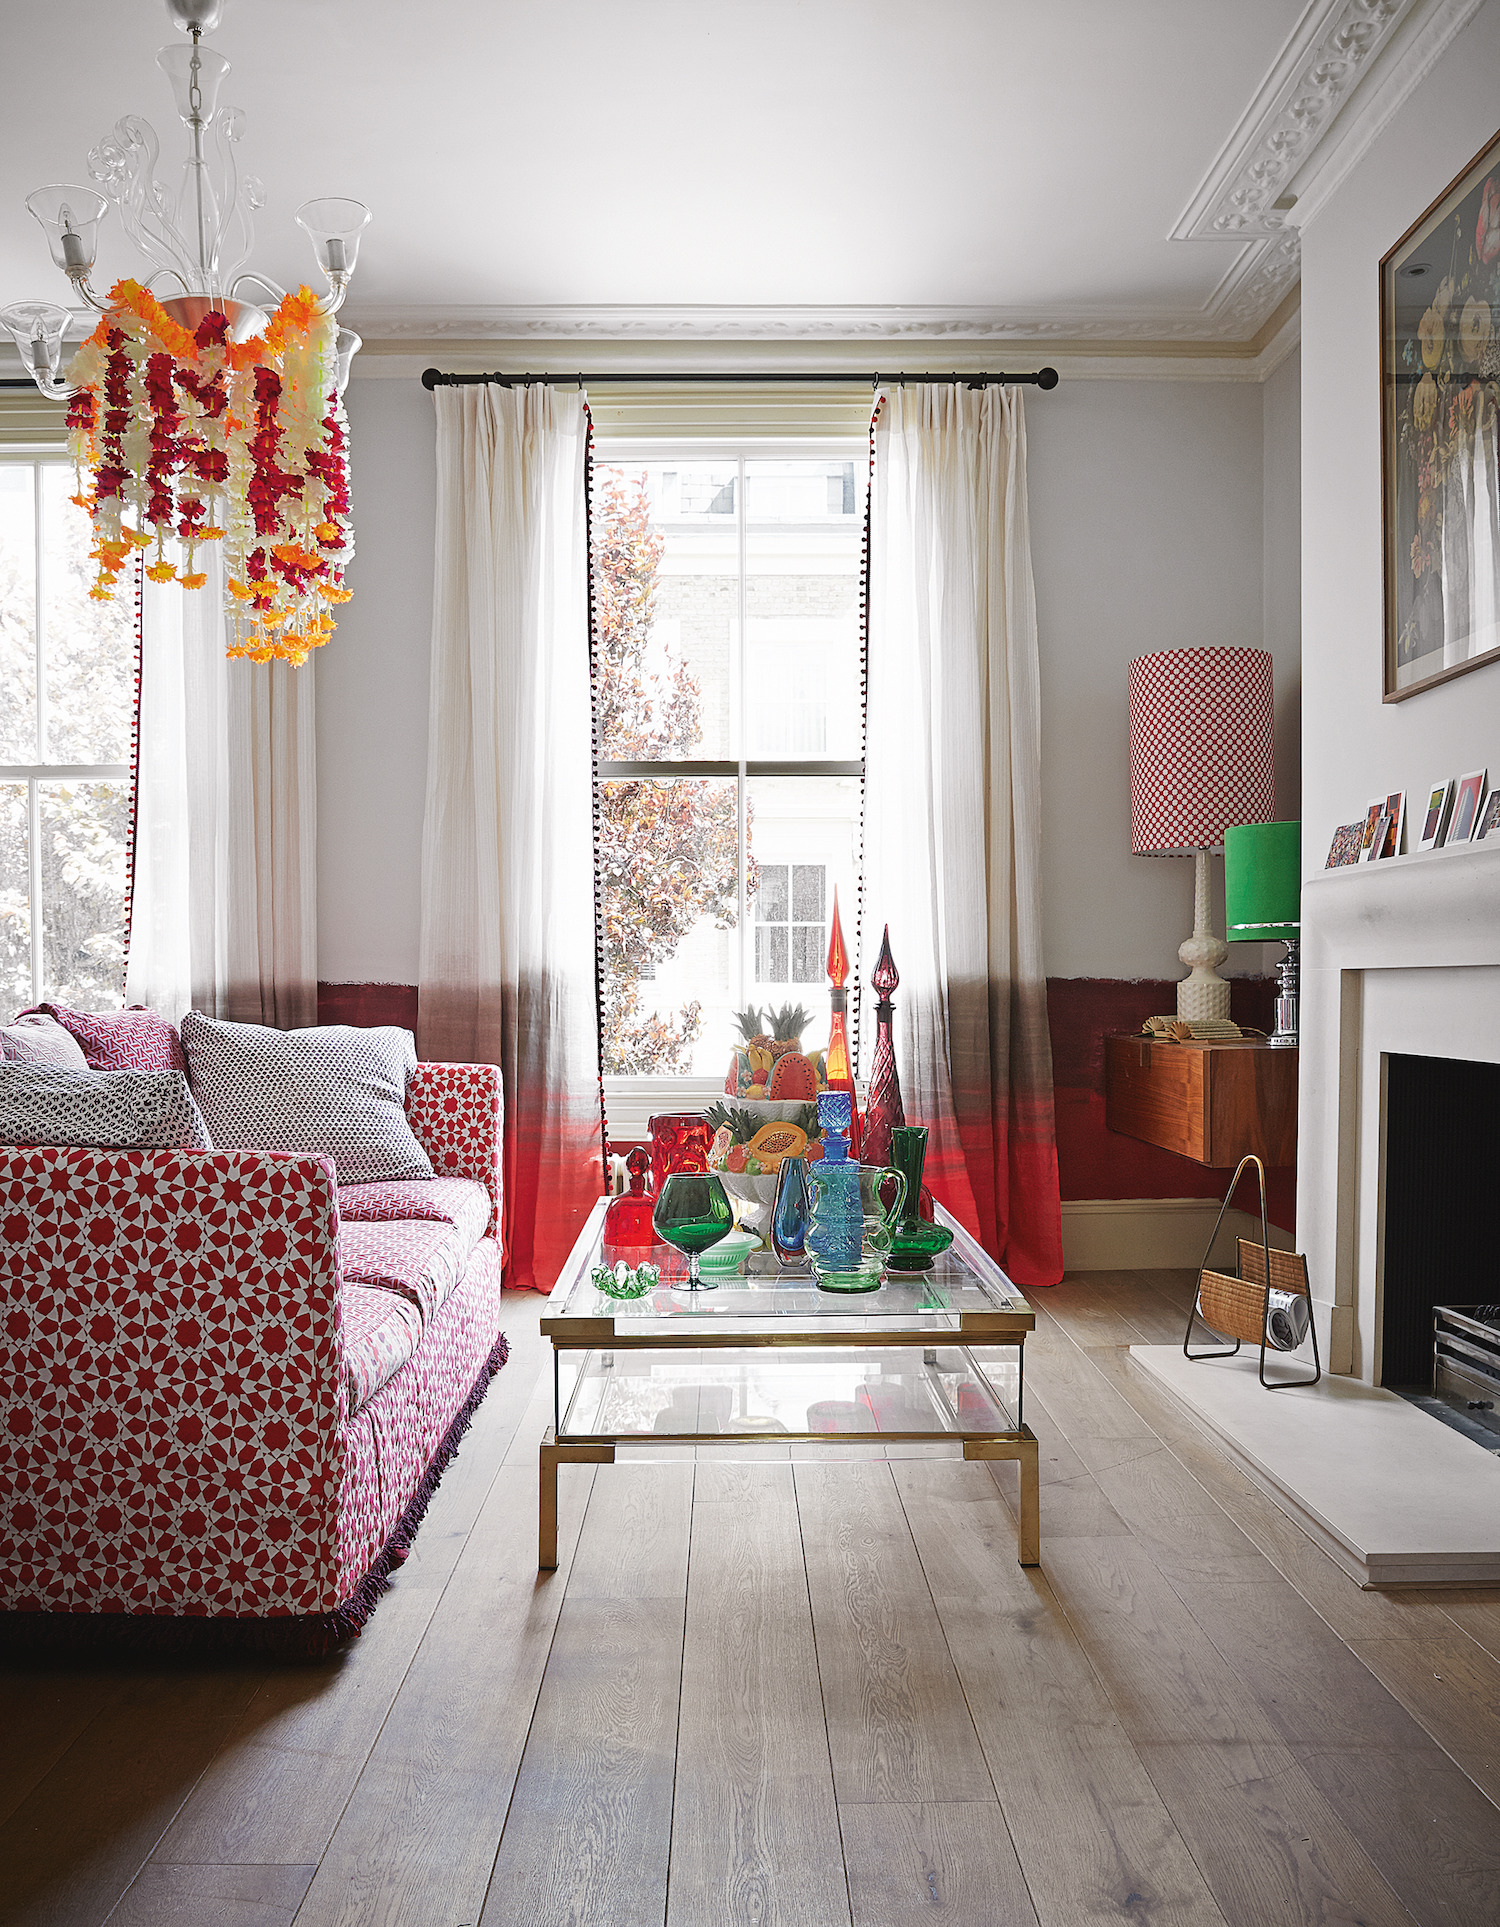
(669, 861)
(666, 602)
(771, 955)
(84, 827)
(770, 898)
(15, 907)
(802, 555)
(808, 880)
(806, 827)
(90, 646)
(17, 615)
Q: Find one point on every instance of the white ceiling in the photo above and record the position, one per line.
(983, 166)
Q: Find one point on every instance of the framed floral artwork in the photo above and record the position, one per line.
(1440, 454)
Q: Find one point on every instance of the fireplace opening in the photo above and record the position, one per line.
(1441, 1237)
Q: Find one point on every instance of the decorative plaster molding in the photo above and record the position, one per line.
(809, 324)
(1405, 61)
(1330, 49)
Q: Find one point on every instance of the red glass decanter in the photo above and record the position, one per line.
(627, 1219)
(883, 1102)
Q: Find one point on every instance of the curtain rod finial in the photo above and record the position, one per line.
(1046, 378)
(430, 378)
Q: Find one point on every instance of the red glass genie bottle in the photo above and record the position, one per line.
(627, 1219)
(839, 1069)
(883, 1101)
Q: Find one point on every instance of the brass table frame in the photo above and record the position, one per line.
(981, 1328)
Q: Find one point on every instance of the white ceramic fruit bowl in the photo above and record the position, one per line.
(770, 1110)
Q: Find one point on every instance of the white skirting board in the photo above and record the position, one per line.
(1396, 1497)
(1150, 1234)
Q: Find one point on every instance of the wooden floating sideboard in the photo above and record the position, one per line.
(1214, 1103)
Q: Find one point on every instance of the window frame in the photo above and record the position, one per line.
(630, 1101)
(41, 770)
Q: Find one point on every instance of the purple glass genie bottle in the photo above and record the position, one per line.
(836, 1228)
(883, 1111)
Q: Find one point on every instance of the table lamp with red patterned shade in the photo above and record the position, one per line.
(1202, 757)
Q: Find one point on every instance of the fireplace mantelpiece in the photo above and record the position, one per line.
(1401, 955)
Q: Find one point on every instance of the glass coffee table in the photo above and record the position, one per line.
(930, 1365)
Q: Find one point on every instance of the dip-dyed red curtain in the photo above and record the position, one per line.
(507, 959)
(953, 809)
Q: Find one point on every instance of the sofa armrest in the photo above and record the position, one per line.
(171, 1384)
(457, 1115)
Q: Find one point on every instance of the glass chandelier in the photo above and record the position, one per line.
(196, 414)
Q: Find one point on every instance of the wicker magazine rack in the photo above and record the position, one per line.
(1240, 1306)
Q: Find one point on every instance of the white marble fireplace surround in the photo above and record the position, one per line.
(1397, 956)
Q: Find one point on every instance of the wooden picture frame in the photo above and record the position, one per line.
(1440, 425)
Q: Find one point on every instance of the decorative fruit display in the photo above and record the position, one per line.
(773, 1142)
(750, 1068)
(793, 1076)
(787, 1026)
(755, 1145)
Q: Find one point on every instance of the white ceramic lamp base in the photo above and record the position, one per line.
(1205, 993)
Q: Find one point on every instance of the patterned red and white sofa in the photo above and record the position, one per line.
(228, 1386)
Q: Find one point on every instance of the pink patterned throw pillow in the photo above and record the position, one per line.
(38, 1040)
(120, 1040)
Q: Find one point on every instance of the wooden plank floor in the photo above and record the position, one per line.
(806, 1696)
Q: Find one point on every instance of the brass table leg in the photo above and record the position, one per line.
(550, 1456)
(1024, 1450)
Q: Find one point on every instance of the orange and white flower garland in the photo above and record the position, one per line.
(191, 438)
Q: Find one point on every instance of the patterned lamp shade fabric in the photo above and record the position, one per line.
(1202, 747)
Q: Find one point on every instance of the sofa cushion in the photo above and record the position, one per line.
(380, 1333)
(119, 1040)
(335, 1090)
(456, 1201)
(419, 1260)
(41, 1040)
(124, 1110)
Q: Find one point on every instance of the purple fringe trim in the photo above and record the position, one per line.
(283, 1637)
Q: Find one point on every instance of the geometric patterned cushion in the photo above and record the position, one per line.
(380, 1332)
(456, 1201)
(337, 1091)
(458, 1113)
(41, 1041)
(420, 1261)
(114, 1110)
(120, 1040)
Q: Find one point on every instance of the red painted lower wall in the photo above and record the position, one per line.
(368, 1005)
(1093, 1161)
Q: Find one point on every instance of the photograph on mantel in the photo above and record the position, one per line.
(1440, 347)
(1489, 823)
(1348, 840)
(1466, 804)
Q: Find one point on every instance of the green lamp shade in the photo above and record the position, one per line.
(1263, 882)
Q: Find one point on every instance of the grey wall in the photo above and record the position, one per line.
(372, 697)
(1148, 531)
(1163, 515)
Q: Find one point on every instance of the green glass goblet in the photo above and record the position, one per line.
(693, 1212)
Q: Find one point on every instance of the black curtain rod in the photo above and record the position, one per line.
(435, 378)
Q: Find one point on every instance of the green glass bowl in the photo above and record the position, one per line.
(917, 1243)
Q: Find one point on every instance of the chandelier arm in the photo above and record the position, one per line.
(331, 302)
(81, 286)
(260, 280)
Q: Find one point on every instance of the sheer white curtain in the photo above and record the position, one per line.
(953, 808)
(224, 903)
(507, 970)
